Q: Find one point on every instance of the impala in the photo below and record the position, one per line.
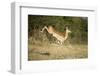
(61, 37)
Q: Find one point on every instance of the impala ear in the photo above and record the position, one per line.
(66, 27)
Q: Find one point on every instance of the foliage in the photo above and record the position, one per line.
(78, 26)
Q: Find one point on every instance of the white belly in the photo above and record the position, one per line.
(58, 37)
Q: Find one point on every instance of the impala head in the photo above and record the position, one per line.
(67, 30)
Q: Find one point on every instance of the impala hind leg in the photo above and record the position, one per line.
(45, 27)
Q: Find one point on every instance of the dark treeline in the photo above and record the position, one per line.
(78, 26)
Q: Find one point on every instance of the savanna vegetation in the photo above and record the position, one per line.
(43, 46)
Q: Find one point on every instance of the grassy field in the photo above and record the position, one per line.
(53, 51)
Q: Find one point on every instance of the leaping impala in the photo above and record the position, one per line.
(61, 37)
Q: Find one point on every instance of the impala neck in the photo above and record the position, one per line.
(66, 35)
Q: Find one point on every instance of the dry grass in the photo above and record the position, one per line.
(47, 51)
